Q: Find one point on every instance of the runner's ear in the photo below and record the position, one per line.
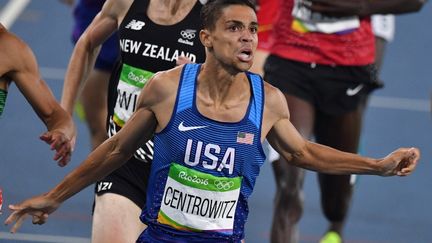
(205, 38)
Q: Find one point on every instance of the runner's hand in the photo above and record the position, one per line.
(401, 162)
(59, 142)
(37, 207)
(182, 60)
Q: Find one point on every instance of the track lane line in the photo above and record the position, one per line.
(42, 238)
(10, 12)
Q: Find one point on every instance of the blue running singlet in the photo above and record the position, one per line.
(203, 170)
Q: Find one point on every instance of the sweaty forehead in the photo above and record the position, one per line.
(238, 13)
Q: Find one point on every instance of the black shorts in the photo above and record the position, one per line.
(130, 181)
(333, 90)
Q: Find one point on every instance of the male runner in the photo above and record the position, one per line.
(209, 123)
(323, 61)
(154, 36)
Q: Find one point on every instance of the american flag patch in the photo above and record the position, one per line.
(244, 137)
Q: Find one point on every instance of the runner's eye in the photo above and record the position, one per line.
(234, 28)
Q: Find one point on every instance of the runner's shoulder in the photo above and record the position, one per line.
(163, 84)
(275, 101)
(15, 53)
(9, 41)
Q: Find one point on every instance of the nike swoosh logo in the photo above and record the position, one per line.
(352, 92)
(183, 128)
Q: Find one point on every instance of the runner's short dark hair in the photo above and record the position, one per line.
(212, 10)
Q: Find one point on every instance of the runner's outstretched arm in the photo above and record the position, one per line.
(109, 156)
(300, 152)
(19, 60)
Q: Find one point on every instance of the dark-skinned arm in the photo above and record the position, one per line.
(341, 8)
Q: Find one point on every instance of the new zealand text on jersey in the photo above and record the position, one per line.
(154, 51)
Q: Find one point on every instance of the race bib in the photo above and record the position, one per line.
(197, 201)
(384, 26)
(307, 21)
(132, 80)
